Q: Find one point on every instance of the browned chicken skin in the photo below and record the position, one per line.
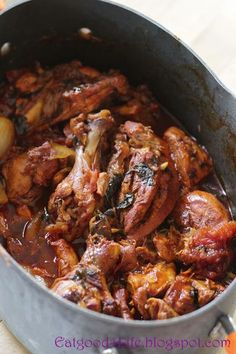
(149, 281)
(86, 286)
(168, 244)
(26, 173)
(120, 295)
(100, 196)
(158, 309)
(191, 160)
(187, 294)
(199, 209)
(149, 189)
(74, 199)
(209, 249)
(57, 98)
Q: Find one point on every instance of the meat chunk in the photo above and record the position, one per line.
(74, 200)
(150, 187)
(87, 287)
(66, 257)
(199, 209)
(109, 256)
(140, 106)
(209, 250)
(121, 297)
(59, 98)
(19, 185)
(105, 254)
(89, 97)
(158, 309)
(168, 244)
(191, 160)
(187, 294)
(26, 173)
(149, 281)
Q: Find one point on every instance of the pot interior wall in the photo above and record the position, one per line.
(48, 31)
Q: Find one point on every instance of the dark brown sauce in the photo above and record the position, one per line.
(28, 245)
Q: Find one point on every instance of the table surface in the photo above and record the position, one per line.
(207, 26)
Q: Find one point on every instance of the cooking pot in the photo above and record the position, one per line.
(50, 31)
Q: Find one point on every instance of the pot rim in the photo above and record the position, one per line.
(10, 261)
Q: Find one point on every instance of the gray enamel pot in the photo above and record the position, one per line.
(47, 31)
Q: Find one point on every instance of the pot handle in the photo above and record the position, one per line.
(226, 323)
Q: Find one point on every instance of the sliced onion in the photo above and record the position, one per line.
(7, 134)
(34, 114)
(61, 151)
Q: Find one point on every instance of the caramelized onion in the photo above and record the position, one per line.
(7, 133)
(62, 151)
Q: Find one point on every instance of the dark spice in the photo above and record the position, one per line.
(127, 202)
(112, 190)
(145, 173)
(194, 295)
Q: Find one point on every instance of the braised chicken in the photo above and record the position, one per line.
(28, 172)
(187, 294)
(149, 281)
(86, 286)
(74, 200)
(149, 188)
(191, 160)
(158, 309)
(209, 249)
(168, 244)
(103, 199)
(199, 209)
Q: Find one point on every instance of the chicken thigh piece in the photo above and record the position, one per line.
(150, 186)
(191, 160)
(199, 209)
